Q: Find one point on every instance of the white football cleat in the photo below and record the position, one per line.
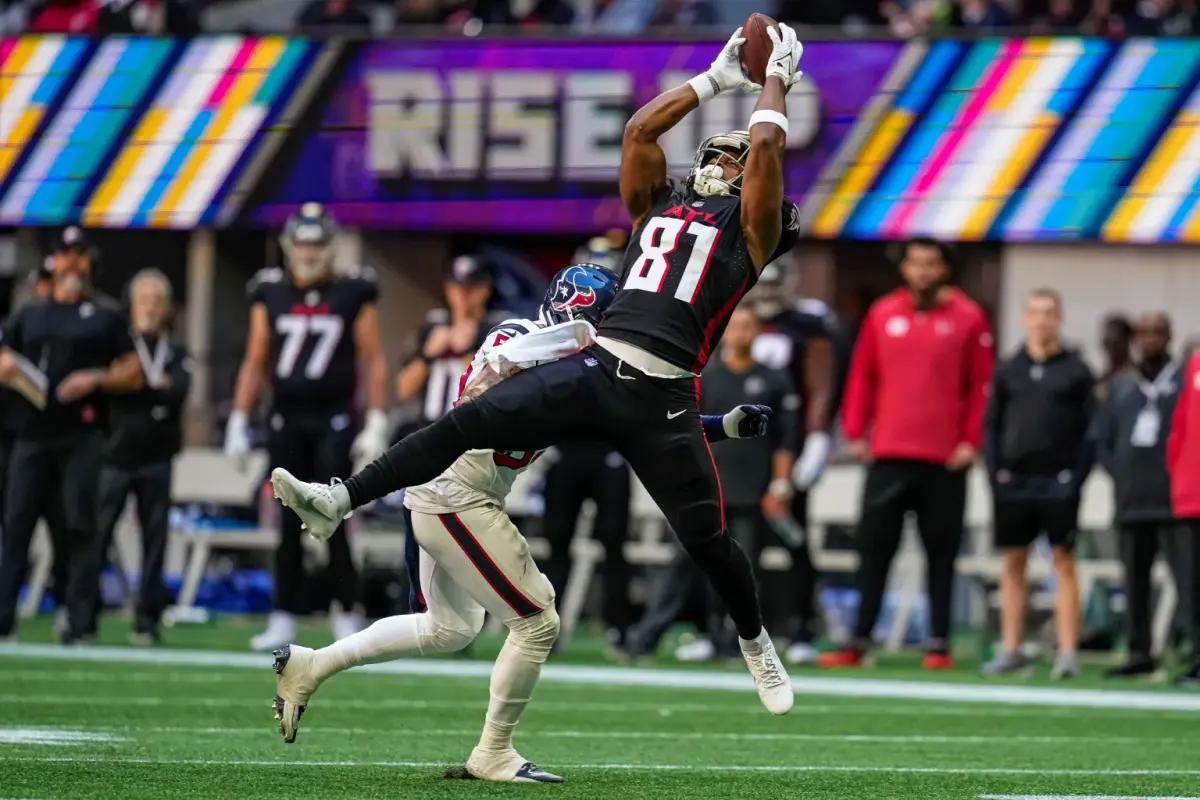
(281, 629)
(319, 508)
(774, 686)
(294, 686)
(506, 766)
(345, 623)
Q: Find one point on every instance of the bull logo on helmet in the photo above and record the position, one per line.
(568, 295)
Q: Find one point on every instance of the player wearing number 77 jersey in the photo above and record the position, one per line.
(472, 558)
(697, 247)
(312, 334)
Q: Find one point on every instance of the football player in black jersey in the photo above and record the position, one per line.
(313, 333)
(697, 247)
(448, 339)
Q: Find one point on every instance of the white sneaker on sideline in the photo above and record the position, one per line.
(801, 653)
(319, 507)
(281, 630)
(294, 686)
(770, 676)
(507, 766)
(346, 623)
(701, 649)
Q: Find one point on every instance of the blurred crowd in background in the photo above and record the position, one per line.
(898, 18)
(913, 390)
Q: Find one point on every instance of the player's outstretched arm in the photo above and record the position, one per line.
(643, 163)
(762, 184)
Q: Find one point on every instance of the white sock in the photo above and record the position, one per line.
(385, 640)
(754, 646)
(513, 677)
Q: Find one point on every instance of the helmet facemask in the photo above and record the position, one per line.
(308, 244)
(707, 177)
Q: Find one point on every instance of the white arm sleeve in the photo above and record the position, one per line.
(527, 345)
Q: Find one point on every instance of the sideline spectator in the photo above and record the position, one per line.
(82, 345)
(1183, 461)
(917, 388)
(345, 15)
(145, 433)
(1038, 455)
(1131, 439)
(1116, 340)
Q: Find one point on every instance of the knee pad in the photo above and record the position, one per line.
(534, 636)
(450, 635)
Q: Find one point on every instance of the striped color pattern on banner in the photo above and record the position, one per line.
(50, 187)
(1084, 176)
(33, 71)
(976, 140)
(190, 139)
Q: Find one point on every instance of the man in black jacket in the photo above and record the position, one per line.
(1131, 438)
(1038, 455)
(145, 433)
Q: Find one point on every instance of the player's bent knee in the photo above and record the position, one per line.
(450, 639)
(535, 636)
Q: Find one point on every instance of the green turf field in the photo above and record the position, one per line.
(93, 723)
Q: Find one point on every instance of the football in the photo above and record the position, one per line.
(756, 52)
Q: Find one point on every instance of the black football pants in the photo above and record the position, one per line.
(938, 497)
(57, 479)
(313, 446)
(654, 423)
(1140, 545)
(596, 472)
(150, 485)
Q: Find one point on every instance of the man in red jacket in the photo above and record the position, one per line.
(913, 411)
(1183, 463)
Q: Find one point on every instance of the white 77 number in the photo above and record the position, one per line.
(295, 329)
(659, 239)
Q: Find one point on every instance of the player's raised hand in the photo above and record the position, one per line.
(726, 70)
(747, 421)
(786, 50)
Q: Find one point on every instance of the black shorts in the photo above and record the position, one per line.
(1018, 522)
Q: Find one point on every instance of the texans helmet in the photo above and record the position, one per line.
(581, 291)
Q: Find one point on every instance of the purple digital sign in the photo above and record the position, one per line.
(524, 136)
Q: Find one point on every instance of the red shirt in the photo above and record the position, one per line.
(919, 378)
(1183, 445)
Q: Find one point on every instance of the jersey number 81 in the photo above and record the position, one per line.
(660, 238)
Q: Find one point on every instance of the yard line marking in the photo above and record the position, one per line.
(851, 738)
(61, 737)
(665, 678)
(799, 768)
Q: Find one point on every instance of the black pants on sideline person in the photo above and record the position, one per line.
(596, 472)
(804, 577)
(1140, 545)
(42, 475)
(150, 486)
(937, 496)
(684, 585)
(312, 446)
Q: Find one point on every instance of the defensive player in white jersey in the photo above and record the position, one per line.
(472, 557)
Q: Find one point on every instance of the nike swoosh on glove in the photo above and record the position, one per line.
(747, 421)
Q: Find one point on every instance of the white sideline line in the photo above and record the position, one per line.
(799, 768)
(662, 678)
(1076, 797)
(554, 733)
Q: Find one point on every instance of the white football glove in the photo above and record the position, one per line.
(372, 440)
(237, 437)
(785, 55)
(726, 70)
(812, 460)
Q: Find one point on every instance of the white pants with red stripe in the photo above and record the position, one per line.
(477, 559)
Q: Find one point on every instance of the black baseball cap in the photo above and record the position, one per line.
(469, 269)
(72, 238)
